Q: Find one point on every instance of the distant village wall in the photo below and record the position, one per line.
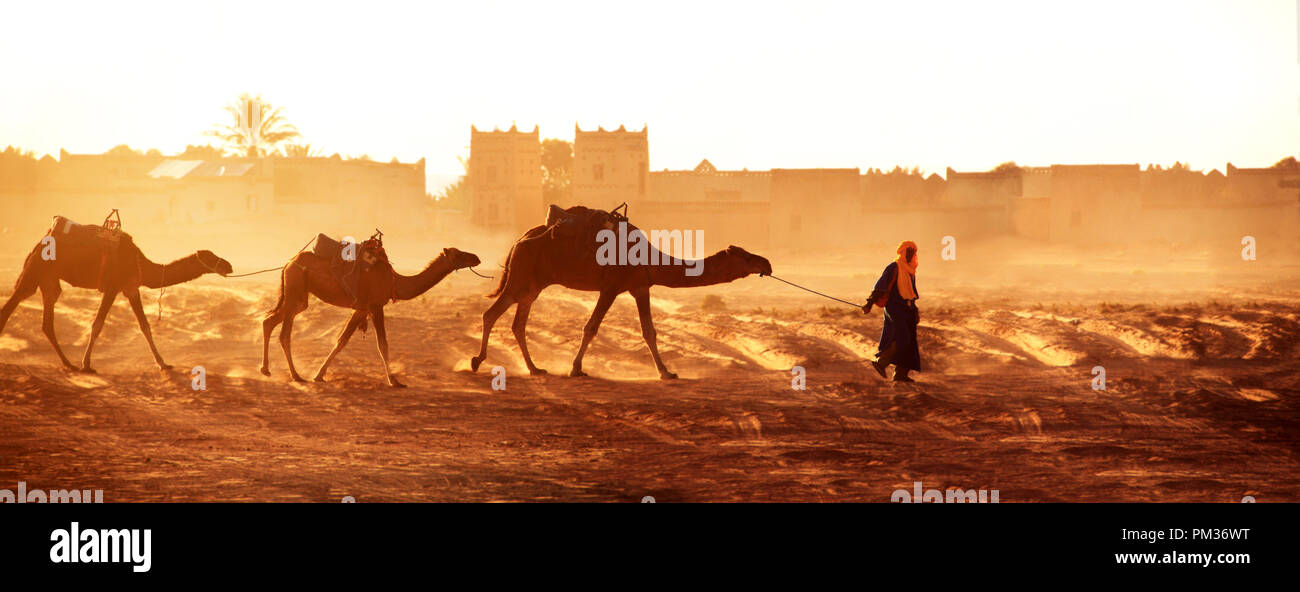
(214, 197)
(849, 208)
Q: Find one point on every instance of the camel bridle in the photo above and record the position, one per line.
(199, 258)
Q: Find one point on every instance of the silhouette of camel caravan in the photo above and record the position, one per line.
(103, 258)
(563, 252)
(358, 277)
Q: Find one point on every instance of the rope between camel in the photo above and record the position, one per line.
(235, 275)
(471, 270)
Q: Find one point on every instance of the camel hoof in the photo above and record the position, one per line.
(318, 379)
(164, 367)
(666, 375)
(395, 384)
(577, 373)
(296, 379)
(265, 371)
(474, 363)
(537, 372)
(87, 370)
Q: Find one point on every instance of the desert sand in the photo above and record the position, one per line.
(1201, 403)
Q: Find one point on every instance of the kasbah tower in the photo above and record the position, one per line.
(505, 175)
(609, 168)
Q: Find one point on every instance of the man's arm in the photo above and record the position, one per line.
(882, 287)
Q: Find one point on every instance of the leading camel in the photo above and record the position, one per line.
(541, 258)
(309, 273)
(109, 261)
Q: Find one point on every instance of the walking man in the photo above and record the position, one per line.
(895, 292)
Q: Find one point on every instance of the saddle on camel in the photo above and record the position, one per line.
(564, 252)
(103, 258)
(349, 261)
(355, 276)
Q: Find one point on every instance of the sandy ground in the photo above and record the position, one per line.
(1201, 404)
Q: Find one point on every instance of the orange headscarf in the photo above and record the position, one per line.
(906, 270)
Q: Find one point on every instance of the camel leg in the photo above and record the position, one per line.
(98, 325)
(521, 336)
(490, 317)
(348, 329)
(381, 339)
(22, 292)
(589, 330)
(642, 296)
(49, 295)
(133, 297)
(286, 341)
(268, 325)
(292, 300)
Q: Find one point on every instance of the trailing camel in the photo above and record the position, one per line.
(545, 256)
(100, 258)
(365, 284)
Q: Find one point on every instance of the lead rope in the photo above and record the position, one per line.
(234, 275)
(815, 292)
(163, 271)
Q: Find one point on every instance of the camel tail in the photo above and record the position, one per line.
(505, 274)
(279, 302)
(533, 233)
(29, 273)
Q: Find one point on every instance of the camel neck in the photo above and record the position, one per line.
(410, 286)
(693, 273)
(155, 275)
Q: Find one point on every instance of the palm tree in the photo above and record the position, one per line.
(256, 127)
(300, 151)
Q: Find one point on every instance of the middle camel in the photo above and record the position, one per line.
(564, 253)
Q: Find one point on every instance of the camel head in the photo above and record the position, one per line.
(460, 259)
(748, 262)
(213, 263)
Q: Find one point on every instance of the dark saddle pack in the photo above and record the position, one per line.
(581, 224)
(114, 246)
(108, 237)
(348, 263)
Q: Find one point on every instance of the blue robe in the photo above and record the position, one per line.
(900, 321)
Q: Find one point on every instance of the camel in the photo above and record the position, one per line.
(309, 273)
(541, 258)
(105, 260)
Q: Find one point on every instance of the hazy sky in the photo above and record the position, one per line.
(745, 84)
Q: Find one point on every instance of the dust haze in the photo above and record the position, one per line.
(1199, 349)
